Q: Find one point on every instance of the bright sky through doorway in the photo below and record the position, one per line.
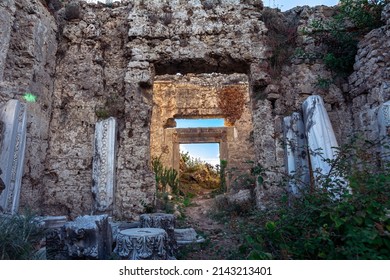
(207, 152)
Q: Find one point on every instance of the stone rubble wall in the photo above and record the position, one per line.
(28, 47)
(86, 62)
(369, 85)
(352, 103)
(106, 62)
(89, 86)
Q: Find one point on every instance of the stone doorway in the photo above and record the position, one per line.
(202, 96)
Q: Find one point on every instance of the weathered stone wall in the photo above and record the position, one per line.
(28, 46)
(105, 63)
(89, 85)
(352, 103)
(199, 97)
(369, 85)
(107, 59)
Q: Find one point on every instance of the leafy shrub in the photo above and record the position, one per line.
(365, 14)
(341, 38)
(318, 226)
(19, 237)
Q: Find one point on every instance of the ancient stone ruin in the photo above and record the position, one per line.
(110, 79)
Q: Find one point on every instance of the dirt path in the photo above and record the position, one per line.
(219, 242)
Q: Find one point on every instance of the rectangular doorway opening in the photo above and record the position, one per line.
(199, 168)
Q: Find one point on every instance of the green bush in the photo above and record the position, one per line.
(20, 236)
(355, 225)
(341, 34)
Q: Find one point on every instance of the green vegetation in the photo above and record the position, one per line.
(20, 236)
(173, 191)
(321, 225)
(197, 177)
(341, 34)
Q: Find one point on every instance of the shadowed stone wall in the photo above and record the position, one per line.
(86, 62)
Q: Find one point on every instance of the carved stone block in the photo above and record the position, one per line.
(88, 237)
(104, 166)
(384, 130)
(296, 155)
(12, 150)
(164, 221)
(142, 244)
(55, 237)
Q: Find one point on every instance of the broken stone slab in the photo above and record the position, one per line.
(89, 238)
(322, 142)
(12, 150)
(104, 166)
(50, 222)
(164, 221)
(187, 236)
(296, 156)
(384, 130)
(142, 244)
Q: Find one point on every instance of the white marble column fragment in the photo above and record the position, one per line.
(296, 155)
(322, 141)
(104, 165)
(12, 149)
(384, 130)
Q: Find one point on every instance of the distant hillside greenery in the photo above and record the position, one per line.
(197, 176)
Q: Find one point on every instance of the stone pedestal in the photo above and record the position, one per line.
(88, 237)
(164, 221)
(12, 148)
(104, 166)
(142, 244)
(296, 155)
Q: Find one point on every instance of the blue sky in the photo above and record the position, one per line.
(288, 4)
(206, 152)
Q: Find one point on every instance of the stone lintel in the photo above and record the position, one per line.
(201, 135)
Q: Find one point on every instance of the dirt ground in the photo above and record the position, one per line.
(220, 241)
